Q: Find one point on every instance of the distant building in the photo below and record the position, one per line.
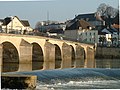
(88, 36)
(56, 33)
(78, 24)
(88, 28)
(45, 26)
(14, 25)
(81, 31)
(110, 36)
(84, 35)
(90, 18)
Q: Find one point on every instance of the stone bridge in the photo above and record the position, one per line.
(27, 53)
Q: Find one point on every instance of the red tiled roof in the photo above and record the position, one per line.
(85, 24)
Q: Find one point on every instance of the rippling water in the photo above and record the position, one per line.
(77, 78)
(91, 84)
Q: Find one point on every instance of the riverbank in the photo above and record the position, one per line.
(17, 81)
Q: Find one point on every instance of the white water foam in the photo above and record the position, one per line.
(103, 84)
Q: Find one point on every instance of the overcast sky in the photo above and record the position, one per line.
(59, 10)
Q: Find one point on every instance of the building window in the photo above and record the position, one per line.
(90, 33)
(90, 39)
(82, 18)
(87, 19)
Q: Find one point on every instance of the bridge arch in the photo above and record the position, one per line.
(10, 57)
(72, 56)
(37, 57)
(58, 57)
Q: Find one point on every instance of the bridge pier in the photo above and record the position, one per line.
(1, 55)
(90, 60)
(25, 56)
(66, 56)
(49, 56)
(79, 57)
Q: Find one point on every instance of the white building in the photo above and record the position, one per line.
(88, 36)
(111, 37)
(14, 24)
(82, 31)
(85, 35)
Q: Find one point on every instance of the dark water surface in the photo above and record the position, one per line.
(76, 78)
(99, 63)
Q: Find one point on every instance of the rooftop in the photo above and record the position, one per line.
(86, 17)
(7, 20)
(77, 24)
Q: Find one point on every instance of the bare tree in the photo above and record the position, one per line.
(101, 9)
(106, 13)
(38, 24)
(103, 40)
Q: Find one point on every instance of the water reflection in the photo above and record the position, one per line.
(10, 58)
(10, 67)
(37, 65)
(99, 63)
(107, 63)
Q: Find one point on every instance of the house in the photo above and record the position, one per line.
(44, 26)
(13, 24)
(56, 33)
(88, 36)
(117, 26)
(108, 37)
(82, 35)
(81, 31)
(90, 18)
(78, 24)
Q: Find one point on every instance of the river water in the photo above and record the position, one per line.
(106, 75)
(107, 63)
(76, 78)
(67, 79)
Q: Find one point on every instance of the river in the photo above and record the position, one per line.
(76, 78)
(79, 79)
(107, 63)
(106, 75)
